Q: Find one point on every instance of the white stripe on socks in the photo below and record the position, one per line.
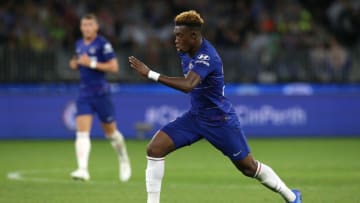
(272, 181)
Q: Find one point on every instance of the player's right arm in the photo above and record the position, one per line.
(184, 84)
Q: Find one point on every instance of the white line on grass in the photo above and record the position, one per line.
(33, 176)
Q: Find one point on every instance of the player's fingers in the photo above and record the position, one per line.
(132, 57)
(135, 60)
(132, 60)
(136, 63)
(132, 64)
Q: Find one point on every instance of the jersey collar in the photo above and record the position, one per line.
(202, 47)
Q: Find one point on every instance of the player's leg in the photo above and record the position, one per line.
(266, 175)
(173, 136)
(106, 112)
(230, 139)
(160, 145)
(82, 146)
(118, 143)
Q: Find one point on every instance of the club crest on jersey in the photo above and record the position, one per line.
(190, 66)
(203, 57)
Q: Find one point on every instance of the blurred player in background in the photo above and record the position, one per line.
(94, 57)
(211, 116)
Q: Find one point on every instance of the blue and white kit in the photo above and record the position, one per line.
(211, 115)
(94, 94)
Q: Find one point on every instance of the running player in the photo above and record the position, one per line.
(94, 57)
(211, 115)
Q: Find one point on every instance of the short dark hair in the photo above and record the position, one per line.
(90, 16)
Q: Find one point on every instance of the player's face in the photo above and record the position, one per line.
(184, 41)
(89, 28)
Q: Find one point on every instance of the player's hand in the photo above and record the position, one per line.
(84, 60)
(73, 63)
(139, 66)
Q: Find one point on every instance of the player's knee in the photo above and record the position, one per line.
(247, 169)
(248, 172)
(109, 129)
(155, 152)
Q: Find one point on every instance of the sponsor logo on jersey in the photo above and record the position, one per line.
(202, 62)
(204, 57)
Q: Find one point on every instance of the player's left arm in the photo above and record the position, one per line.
(111, 65)
(184, 84)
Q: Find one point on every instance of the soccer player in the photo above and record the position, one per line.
(211, 115)
(94, 57)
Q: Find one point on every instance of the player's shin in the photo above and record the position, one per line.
(271, 180)
(118, 143)
(154, 174)
(82, 148)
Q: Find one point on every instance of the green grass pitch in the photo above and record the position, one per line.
(325, 170)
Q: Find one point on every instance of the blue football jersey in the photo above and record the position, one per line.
(93, 82)
(208, 101)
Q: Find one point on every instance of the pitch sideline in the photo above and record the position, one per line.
(30, 176)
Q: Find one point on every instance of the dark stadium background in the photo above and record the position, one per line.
(292, 68)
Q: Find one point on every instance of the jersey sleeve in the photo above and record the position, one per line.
(107, 51)
(202, 66)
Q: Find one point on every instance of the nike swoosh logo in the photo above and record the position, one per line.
(236, 154)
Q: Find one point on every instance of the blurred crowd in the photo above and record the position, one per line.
(270, 33)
